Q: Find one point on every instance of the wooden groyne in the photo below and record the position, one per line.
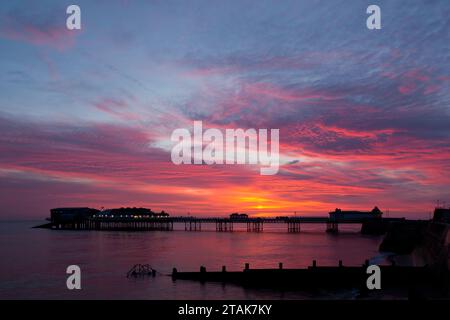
(312, 277)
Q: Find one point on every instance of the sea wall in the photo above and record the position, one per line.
(403, 237)
(375, 226)
(421, 243)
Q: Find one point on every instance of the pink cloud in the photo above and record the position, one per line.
(275, 92)
(58, 37)
(407, 88)
(116, 108)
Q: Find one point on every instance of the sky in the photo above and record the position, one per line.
(86, 115)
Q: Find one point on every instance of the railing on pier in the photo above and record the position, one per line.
(221, 224)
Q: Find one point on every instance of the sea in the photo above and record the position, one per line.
(33, 262)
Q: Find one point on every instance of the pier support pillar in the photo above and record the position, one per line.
(222, 226)
(293, 227)
(193, 226)
(332, 227)
(255, 226)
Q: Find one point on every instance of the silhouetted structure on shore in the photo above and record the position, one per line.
(427, 240)
(442, 215)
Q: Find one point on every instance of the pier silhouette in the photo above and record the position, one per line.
(141, 219)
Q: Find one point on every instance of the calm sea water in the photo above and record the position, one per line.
(33, 261)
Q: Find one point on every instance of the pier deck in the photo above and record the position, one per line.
(221, 224)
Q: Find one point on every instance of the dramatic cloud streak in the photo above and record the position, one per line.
(363, 116)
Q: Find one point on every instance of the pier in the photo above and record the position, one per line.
(193, 224)
(142, 219)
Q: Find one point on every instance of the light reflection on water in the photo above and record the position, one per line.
(34, 261)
